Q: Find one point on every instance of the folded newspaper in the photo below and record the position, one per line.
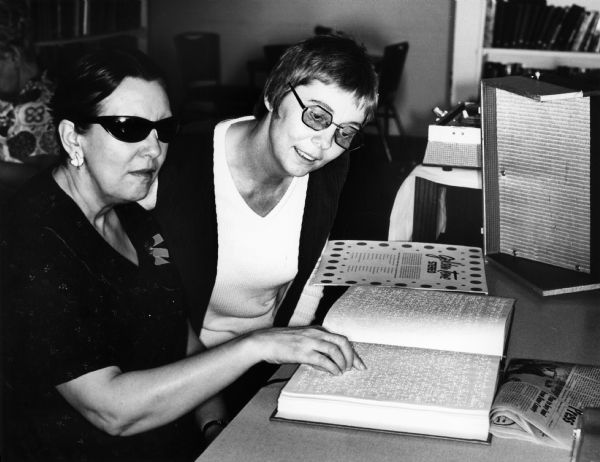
(540, 401)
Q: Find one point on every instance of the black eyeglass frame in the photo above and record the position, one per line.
(358, 142)
(166, 128)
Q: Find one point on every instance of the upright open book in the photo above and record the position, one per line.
(432, 364)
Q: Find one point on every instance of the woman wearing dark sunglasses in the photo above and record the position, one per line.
(100, 362)
(248, 223)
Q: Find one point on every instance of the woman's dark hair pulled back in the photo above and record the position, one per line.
(93, 77)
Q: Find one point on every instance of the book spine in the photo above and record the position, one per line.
(510, 23)
(549, 12)
(490, 13)
(523, 11)
(531, 28)
(554, 29)
(585, 46)
(568, 25)
(581, 32)
(568, 45)
(499, 23)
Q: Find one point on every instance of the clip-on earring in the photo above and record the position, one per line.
(76, 160)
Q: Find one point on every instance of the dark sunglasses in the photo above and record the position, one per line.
(132, 129)
(319, 118)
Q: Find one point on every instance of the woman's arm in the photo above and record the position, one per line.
(213, 410)
(129, 403)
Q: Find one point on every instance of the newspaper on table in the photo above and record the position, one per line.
(540, 401)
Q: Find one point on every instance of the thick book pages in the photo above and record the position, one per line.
(432, 364)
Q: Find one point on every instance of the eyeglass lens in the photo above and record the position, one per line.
(318, 118)
(130, 129)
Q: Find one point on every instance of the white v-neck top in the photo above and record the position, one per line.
(257, 256)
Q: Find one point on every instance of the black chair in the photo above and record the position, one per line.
(390, 73)
(259, 69)
(199, 56)
(272, 54)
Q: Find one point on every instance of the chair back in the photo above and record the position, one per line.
(272, 54)
(199, 58)
(392, 65)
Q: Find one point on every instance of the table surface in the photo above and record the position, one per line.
(561, 328)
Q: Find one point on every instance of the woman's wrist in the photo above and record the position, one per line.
(252, 347)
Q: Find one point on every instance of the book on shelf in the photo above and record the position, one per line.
(517, 24)
(433, 360)
(578, 32)
(541, 401)
(510, 21)
(593, 42)
(490, 18)
(548, 26)
(555, 28)
(581, 31)
(530, 26)
(534, 24)
(542, 20)
(569, 25)
(586, 43)
(525, 22)
(498, 25)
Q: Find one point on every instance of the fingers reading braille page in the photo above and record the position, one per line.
(314, 346)
(351, 358)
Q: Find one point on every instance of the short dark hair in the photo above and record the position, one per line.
(330, 59)
(93, 77)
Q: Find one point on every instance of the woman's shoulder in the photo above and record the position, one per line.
(35, 201)
(36, 210)
(239, 121)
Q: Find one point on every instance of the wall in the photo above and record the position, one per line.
(246, 25)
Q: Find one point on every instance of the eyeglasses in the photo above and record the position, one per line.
(319, 118)
(132, 129)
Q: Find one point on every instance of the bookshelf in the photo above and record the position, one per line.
(469, 53)
(63, 29)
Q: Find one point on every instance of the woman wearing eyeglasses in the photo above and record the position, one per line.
(99, 359)
(248, 223)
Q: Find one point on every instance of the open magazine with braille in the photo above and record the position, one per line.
(415, 265)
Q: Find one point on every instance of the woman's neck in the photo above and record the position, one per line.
(249, 152)
(99, 212)
(79, 186)
(257, 177)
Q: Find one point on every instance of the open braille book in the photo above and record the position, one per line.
(432, 357)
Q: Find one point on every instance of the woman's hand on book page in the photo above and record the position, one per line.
(314, 346)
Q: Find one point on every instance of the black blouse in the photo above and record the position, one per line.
(73, 305)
